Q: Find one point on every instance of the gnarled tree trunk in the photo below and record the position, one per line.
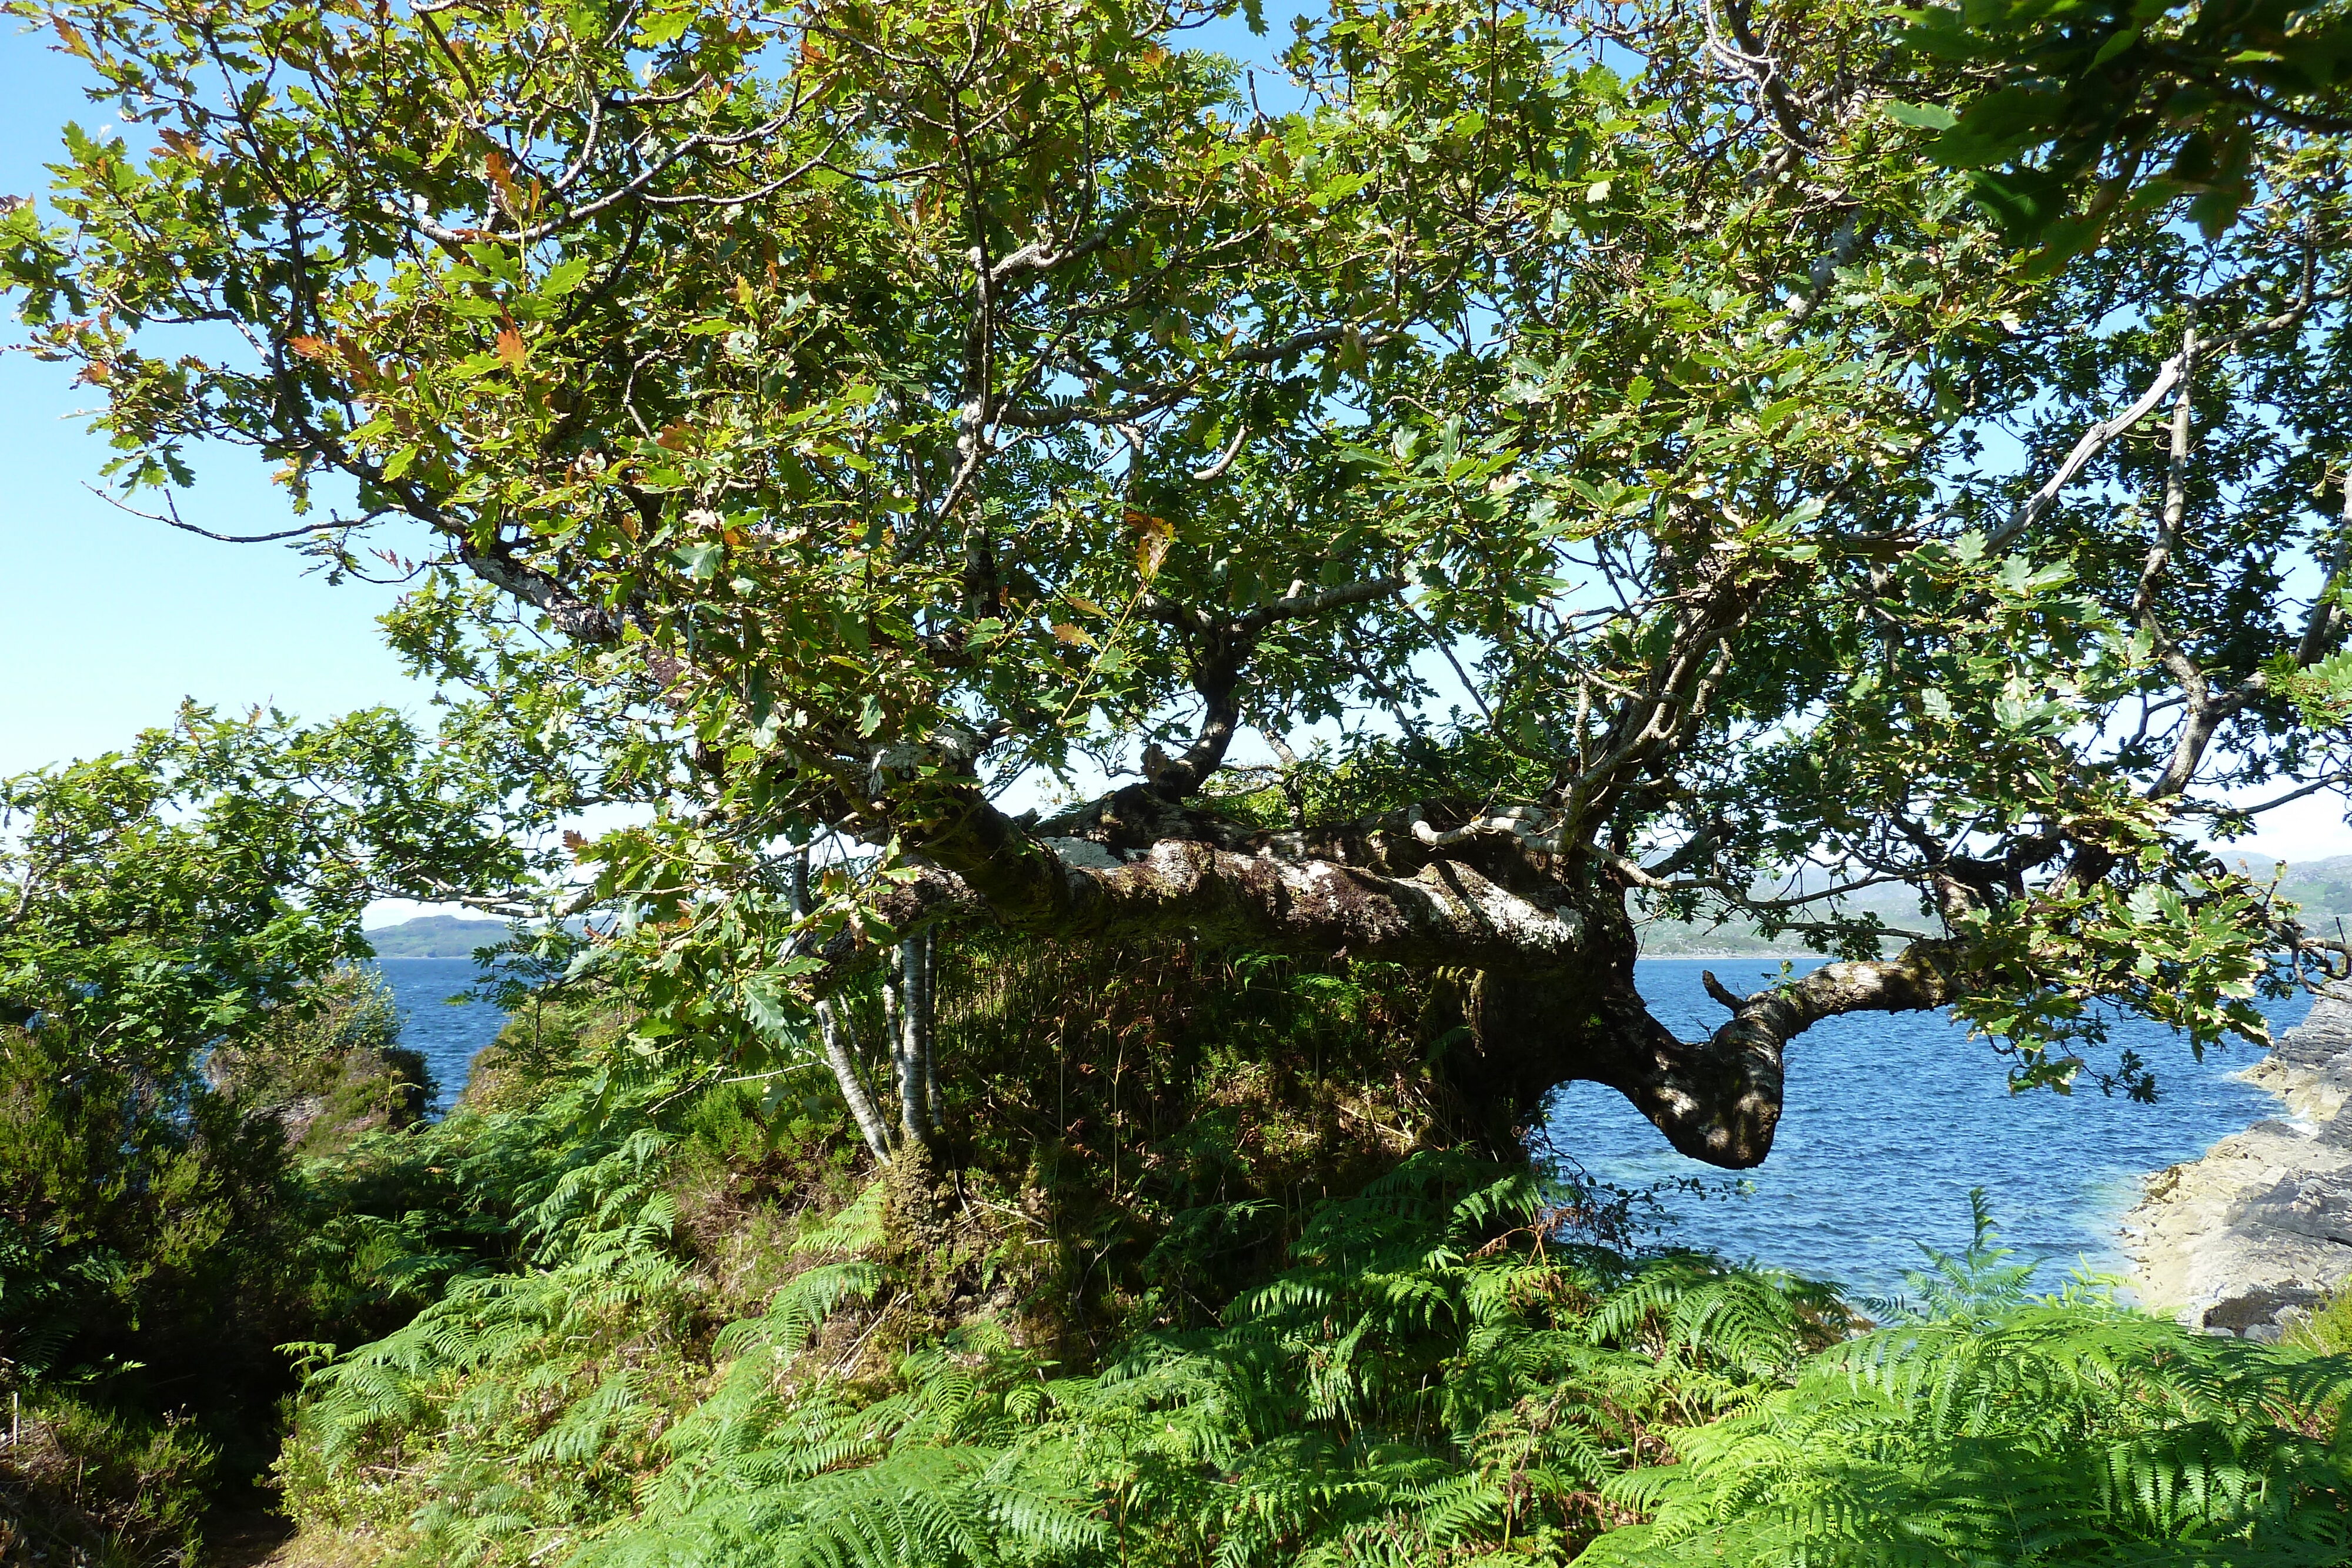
(1546, 931)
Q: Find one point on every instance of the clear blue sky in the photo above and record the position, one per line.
(107, 621)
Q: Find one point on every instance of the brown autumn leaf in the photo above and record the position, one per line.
(1066, 633)
(510, 348)
(1153, 536)
(312, 347)
(181, 143)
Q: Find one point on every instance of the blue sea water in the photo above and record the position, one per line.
(449, 1035)
(1891, 1118)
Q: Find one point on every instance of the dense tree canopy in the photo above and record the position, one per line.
(1619, 460)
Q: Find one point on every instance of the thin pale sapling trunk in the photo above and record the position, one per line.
(841, 1053)
(926, 1023)
(903, 1010)
(838, 1036)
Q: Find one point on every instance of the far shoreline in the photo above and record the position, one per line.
(1713, 956)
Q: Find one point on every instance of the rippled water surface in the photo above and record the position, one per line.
(449, 1036)
(1892, 1118)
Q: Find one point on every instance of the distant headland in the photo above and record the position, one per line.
(435, 937)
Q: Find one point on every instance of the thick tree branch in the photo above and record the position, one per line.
(1479, 909)
(2169, 375)
(1221, 651)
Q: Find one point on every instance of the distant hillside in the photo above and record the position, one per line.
(2323, 888)
(435, 937)
(1693, 939)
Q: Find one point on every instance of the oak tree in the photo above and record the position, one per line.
(1605, 463)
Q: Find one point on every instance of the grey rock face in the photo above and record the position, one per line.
(2260, 1229)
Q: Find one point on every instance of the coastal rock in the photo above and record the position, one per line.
(2260, 1229)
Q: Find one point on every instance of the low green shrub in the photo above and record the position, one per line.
(147, 1229)
(1432, 1378)
(84, 1484)
(2328, 1330)
(331, 1072)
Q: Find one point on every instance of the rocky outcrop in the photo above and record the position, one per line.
(2258, 1231)
(327, 1101)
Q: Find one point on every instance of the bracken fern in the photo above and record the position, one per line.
(1434, 1377)
(1995, 1426)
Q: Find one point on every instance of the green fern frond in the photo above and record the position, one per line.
(856, 1230)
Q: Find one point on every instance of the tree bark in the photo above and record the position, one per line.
(841, 1054)
(901, 1001)
(839, 1039)
(926, 1023)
